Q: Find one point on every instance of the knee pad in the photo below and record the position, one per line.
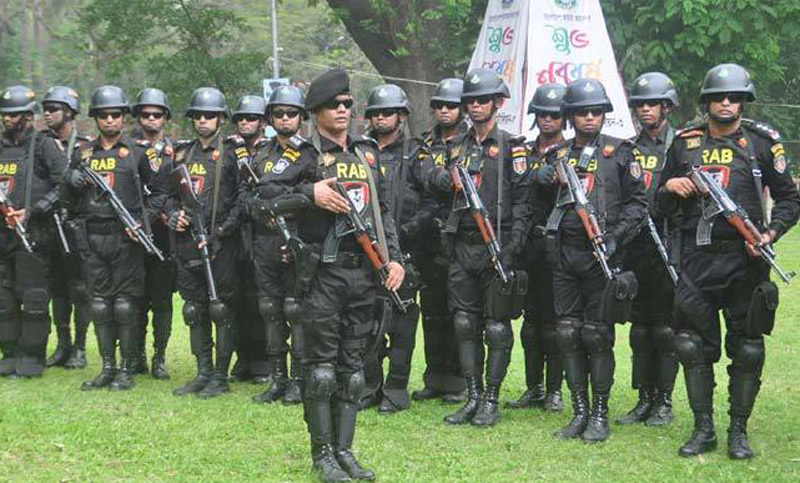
(34, 302)
(689, 349)
(664, 338)
(221, 313)
(320, 381)
(549, 340)
(641, 340)
(125, 311)
(271, 309)
(351, 386)
(465, 325)
(597, 337)
(291, 308)
(750, 357)
(193, 313)
(101, 310)
(568, 335)
(499, 334)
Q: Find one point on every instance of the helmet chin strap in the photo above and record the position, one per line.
(725, 120)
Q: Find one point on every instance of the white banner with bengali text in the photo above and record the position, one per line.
(568, 40)
(501, 47)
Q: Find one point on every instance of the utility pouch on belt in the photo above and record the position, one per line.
(307, 265)
(761, 313)
(617, 301)
(505, 301)
(77, 231)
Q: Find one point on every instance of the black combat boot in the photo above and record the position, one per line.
(533, 397)
(326, 464)
(344, 413)
(8, 364)
(200, 381)
(700, 389)
(107, 345)
(554, 376)
(488, 412)
(218, 385)
(63, 351)
(162, 330)
(158, 366)
(553, 401)
(77, 359)
(597, 429)
(123, 380)
(277, 387)
(580, 417)
(467, 411)
(641, 411)
(666, 371)
(424, 394)
(738, 445)
(294, 394)
(661, 412)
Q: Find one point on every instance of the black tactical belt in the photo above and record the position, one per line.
(349, 260)
(723, 246)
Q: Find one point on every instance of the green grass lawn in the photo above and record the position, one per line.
(51, 431)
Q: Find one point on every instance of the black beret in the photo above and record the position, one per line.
(327, 86)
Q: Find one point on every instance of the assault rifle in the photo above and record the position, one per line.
(716, 201)
(463, 183)
(587, 214)
(22, 234)
(105, 191)
(190, 201)
(369, 244)
(662, 250)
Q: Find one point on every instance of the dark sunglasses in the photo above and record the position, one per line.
(595, 111)
(151, 115)
(482, 100)
(436, 105)
(248, 118)
(291, 114)
(733, 98)
(205, 115)
(551, 115)
(383, 112)
(334, 104)
(52, 108)
(106, 114)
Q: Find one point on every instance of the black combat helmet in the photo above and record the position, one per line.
(586, 93)
(63, 95)
(207, 99)
(152, 97)
(448, 90)
(387, 96)
(17, 99)
(250, 105)
(728, 78)
(288, 96)
(483, 82)
(547, 98)
(108, 97)
(653, 86)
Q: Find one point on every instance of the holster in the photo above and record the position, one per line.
(617, 301)
(307, 265)
(505, 301)
(761, 313)
(76, 229)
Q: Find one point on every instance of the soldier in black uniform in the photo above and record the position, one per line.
(442, 376)
(538, 332)
(61, 105)
(613, 184)
(278, 295)
(31, 168)
(112, 260)
(211, 162)
(497, 163)
(337, 311)
(721, 271)
(252, 363)
(655, 366)
(401, 159)
(152, 111)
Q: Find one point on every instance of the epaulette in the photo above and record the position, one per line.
(182, 143)
(762, 129)
(691, 130)
(142, 142)
(297, 141)
(235, 139)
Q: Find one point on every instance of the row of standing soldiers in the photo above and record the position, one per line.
(328, 242)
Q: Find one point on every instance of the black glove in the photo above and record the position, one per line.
(611, 245)
(172, 221)
(76, 179)
(546, 174)
(258, 209)
(443, 180)
(225, 229)
(508, 255)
